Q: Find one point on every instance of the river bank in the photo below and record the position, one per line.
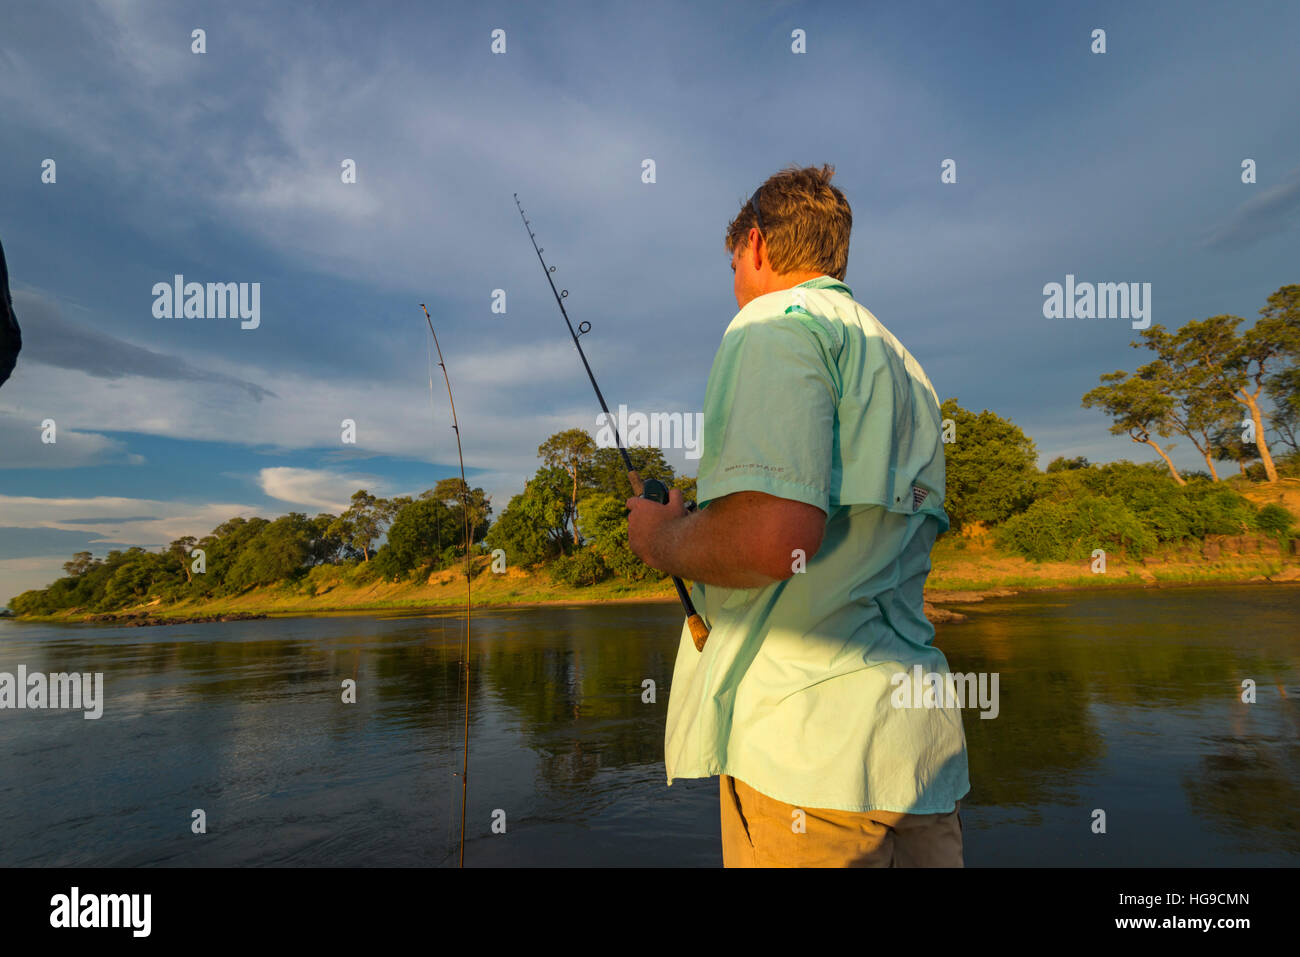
(966, 570)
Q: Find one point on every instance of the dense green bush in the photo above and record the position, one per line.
(1051, 530)
(1274, 520)
(1039, 532)
(1132, 507)
(603, 522)
(580, 569)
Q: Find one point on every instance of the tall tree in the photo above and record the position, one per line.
(571, 450)
(180, 552)
(1272, 346)
(363, 522)
(1137, 407)
(1233, 364)
(608, 473)
(1229, 445)
(457, 495)
(81, 563)
(1199, 408)
(532, 526)
(1284, 389)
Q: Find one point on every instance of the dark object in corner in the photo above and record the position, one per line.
(11, 339)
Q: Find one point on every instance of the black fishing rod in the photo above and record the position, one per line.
(652, 489)
(464, 510)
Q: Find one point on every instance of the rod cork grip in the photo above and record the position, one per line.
(699, 631)
(637, 485)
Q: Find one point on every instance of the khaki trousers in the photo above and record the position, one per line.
(758, 831)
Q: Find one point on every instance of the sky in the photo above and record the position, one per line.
(227, 166)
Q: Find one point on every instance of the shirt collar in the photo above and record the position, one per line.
(827, 282)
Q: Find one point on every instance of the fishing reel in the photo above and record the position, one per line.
(657, 491)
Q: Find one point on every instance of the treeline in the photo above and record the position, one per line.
(571, 518)
(1072, 508)
(1234, 396)
(423, 534)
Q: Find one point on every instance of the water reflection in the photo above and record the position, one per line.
(1124, 701)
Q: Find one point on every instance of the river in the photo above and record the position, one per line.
(1124, 701)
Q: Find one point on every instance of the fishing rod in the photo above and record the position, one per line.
(652, 489)
(464, 497)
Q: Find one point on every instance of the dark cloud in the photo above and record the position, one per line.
(19, 542)
(53, 340)
(111, 520)
(1271, 212)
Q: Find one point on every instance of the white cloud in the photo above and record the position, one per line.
(171, 519)
(21, 445)
(318, 488)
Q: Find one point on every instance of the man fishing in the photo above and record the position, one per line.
(821, 488)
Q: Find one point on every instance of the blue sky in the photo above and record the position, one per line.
(224, 167)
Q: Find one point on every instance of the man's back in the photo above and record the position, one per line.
(811, 399)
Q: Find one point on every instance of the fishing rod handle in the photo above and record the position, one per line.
(657, 491)
(699, 631)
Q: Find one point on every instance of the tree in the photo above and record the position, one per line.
(1199, 407)
(571, 450)
(133, 580)
(328, 544)
(454, 493)
(608, 473)
(532, 526)
(1233, 364)
(1062, 464)
(990, 469)
(81, 563)
(604, 525)
(1284, 389)
(1228, 444)
(1138, 408)
(415, 537)
(223, 546)
(1273, 346)
(362, 523)
(280, 550)
(180, 550)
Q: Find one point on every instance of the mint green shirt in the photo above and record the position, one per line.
(810, 398)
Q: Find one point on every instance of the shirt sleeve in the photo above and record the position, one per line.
(769, 412)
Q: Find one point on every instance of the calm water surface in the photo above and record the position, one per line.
(1125, 701)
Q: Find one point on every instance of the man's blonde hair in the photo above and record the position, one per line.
(805, 221)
